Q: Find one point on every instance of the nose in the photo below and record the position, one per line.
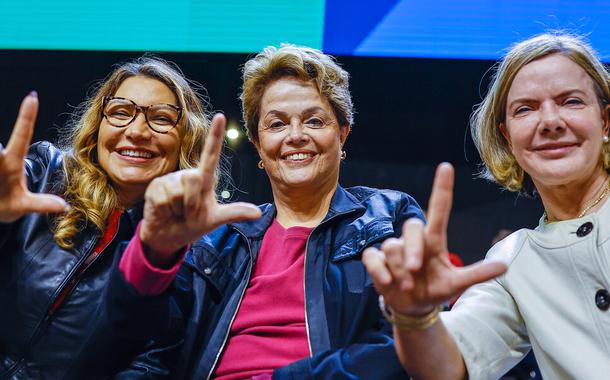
(550, 118)
(138, 128)
(296, 133)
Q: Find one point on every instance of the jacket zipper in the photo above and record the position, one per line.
(241, 298)
(80, 271)
(307, 328)
(305, 294)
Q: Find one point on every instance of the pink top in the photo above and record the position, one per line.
(269, 329)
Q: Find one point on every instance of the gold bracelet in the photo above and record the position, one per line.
(407, 322)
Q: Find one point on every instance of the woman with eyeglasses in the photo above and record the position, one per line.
(63, 212)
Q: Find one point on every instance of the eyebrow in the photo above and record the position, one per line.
(563, 94)
(306, 111)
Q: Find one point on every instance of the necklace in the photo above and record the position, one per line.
(589, 206)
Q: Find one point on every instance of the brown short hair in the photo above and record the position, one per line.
(299, 62)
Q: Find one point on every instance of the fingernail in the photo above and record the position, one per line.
(33, 94)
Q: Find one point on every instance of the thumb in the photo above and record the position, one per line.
(235, 212)
(44, 203)
(479, 272)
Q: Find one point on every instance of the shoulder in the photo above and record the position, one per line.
(394, 203)
(43, 153)
(507, 249)
(42, 160)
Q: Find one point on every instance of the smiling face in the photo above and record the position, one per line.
(299, 139)
(134, 155)
(554, 122)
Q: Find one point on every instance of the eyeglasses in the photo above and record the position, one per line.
(121, 112)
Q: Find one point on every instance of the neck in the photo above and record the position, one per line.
(302, 207)
(570, 201)
(129, 197)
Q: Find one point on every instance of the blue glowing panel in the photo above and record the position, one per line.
(471, 29)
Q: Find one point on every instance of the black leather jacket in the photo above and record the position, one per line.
(35, 344)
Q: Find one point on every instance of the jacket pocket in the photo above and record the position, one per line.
(370, 234)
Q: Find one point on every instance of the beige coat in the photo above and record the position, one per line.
(546, 301)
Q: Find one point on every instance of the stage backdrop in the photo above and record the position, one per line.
(471, 29)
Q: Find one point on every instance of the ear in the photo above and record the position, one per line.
(504, 131)
(606, 119)
(344, 130)
(256, 144)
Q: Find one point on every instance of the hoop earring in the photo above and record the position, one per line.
(261, 165)
(343, 155)
(605, 139)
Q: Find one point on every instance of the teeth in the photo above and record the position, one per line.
(135, 153)
(298, 156)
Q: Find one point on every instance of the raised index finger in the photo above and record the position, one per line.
(439, 206)
(211, 150)
(24, 126)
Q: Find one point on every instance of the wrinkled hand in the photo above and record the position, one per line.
(181, 206)
(414, 273)
(15, 198)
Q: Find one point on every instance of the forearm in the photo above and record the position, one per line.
(430, 353)
(139, 272)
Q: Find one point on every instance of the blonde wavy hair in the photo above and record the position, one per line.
(499, 163)
(88, 189)
(302, 63)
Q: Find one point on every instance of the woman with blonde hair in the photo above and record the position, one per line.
(63, 212)
(542, 127)
(284, 296)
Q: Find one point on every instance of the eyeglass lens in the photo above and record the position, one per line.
(160, 117)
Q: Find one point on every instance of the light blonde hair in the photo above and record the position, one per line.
(299, 62)
(88, 189)
(499, 163)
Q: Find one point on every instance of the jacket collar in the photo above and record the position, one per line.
(341, 203)
(564, 233)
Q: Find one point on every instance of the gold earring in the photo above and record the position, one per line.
(343, 155)
(261, 164)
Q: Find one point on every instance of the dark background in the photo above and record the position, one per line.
(411, 114)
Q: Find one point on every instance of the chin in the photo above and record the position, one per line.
(562, 177)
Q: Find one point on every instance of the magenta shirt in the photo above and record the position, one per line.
(269, 330)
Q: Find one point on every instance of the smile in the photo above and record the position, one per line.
(555, 150)
(135, 153)
(298, 156)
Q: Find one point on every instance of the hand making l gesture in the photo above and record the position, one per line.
(181, 206)
(413, 273)
(15, 198)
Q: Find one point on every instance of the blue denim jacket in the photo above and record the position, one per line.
(347, 335)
